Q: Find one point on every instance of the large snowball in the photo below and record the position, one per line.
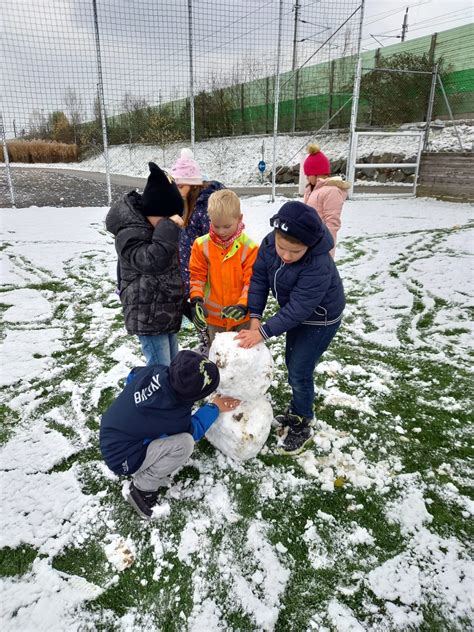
(241, 434)
(245, 373)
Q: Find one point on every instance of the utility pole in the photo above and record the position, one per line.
(405, 25)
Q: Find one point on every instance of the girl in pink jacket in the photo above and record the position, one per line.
(325, 194)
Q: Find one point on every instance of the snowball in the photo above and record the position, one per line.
(242, 433)
(120, 553)
(245, 373)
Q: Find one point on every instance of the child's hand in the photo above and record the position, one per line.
(225, 404)
(234, 312)
(248, 338)
(199, 314)
(178, 220)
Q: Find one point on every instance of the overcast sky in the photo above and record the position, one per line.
(385, 17)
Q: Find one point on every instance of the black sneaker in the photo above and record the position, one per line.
(298, 435)
(290, 419)
(283, 420)
(142, 502)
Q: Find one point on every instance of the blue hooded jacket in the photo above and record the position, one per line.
(309, 291)
(147, 409)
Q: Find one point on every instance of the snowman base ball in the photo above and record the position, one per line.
(242, 433)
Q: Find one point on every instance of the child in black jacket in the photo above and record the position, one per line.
(149, 430)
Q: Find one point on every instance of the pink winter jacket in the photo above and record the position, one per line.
(327, 197)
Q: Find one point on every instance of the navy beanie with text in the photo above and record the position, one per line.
(193, 376)
(300, 221)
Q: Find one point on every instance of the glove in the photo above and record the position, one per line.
(199, 314)
(236, 312)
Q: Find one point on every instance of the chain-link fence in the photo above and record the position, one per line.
(108, 85)
(143, 79)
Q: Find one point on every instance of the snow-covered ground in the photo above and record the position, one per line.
(244, 546)
(234, 160)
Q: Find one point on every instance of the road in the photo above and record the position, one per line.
(71, 187)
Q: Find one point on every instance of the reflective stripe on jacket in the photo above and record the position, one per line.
(221, 276)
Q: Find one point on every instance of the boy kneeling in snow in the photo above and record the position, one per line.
(149, 431)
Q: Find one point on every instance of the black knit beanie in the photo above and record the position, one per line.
(193, 376)
(161, 196)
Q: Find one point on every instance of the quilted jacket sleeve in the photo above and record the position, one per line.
(149, 257)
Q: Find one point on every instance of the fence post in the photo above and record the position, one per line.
(450, 112)
(100, 95)
(429, 111)
(331, 91)
(6, 158)
(191, 73)
(277, 98)
(293, 66)
(355, 103)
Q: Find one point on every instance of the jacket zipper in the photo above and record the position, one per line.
(275, 280)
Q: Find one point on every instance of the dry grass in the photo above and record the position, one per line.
(40, 151)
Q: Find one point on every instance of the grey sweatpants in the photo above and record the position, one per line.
(163, 456)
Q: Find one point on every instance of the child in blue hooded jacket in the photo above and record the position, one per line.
(294, 262)
(149, 430)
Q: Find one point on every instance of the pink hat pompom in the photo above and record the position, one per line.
(186, 170)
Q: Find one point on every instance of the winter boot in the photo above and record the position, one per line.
(298, 435)
(142, 502)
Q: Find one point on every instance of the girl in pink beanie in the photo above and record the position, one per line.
(195, 192)
(325, 194)
(186, 170)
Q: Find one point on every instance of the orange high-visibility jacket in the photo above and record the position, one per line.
(221, 276)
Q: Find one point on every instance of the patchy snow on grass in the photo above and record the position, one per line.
(239, 545)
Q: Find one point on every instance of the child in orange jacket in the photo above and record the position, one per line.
(220, 268)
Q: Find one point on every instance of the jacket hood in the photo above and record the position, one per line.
(127, 213)
(335, 181)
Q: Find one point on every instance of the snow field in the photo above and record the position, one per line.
(367, 530)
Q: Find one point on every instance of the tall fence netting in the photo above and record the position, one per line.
(157, 63)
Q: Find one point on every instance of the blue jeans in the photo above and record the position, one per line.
(160, 349)
(305, 345)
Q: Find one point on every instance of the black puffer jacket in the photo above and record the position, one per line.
(151, 289)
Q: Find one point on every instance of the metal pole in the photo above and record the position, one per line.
(191, 73)
(6, 158)
(418, 158)
(405, 25)
(100, 94)
(355, 103)
(450, 112)
(429, 112)
(276, 102)
(293, 65)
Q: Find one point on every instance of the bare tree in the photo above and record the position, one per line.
(75, 111)
(38, 125)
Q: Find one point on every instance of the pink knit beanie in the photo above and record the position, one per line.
(186, 170)
(317, 163)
